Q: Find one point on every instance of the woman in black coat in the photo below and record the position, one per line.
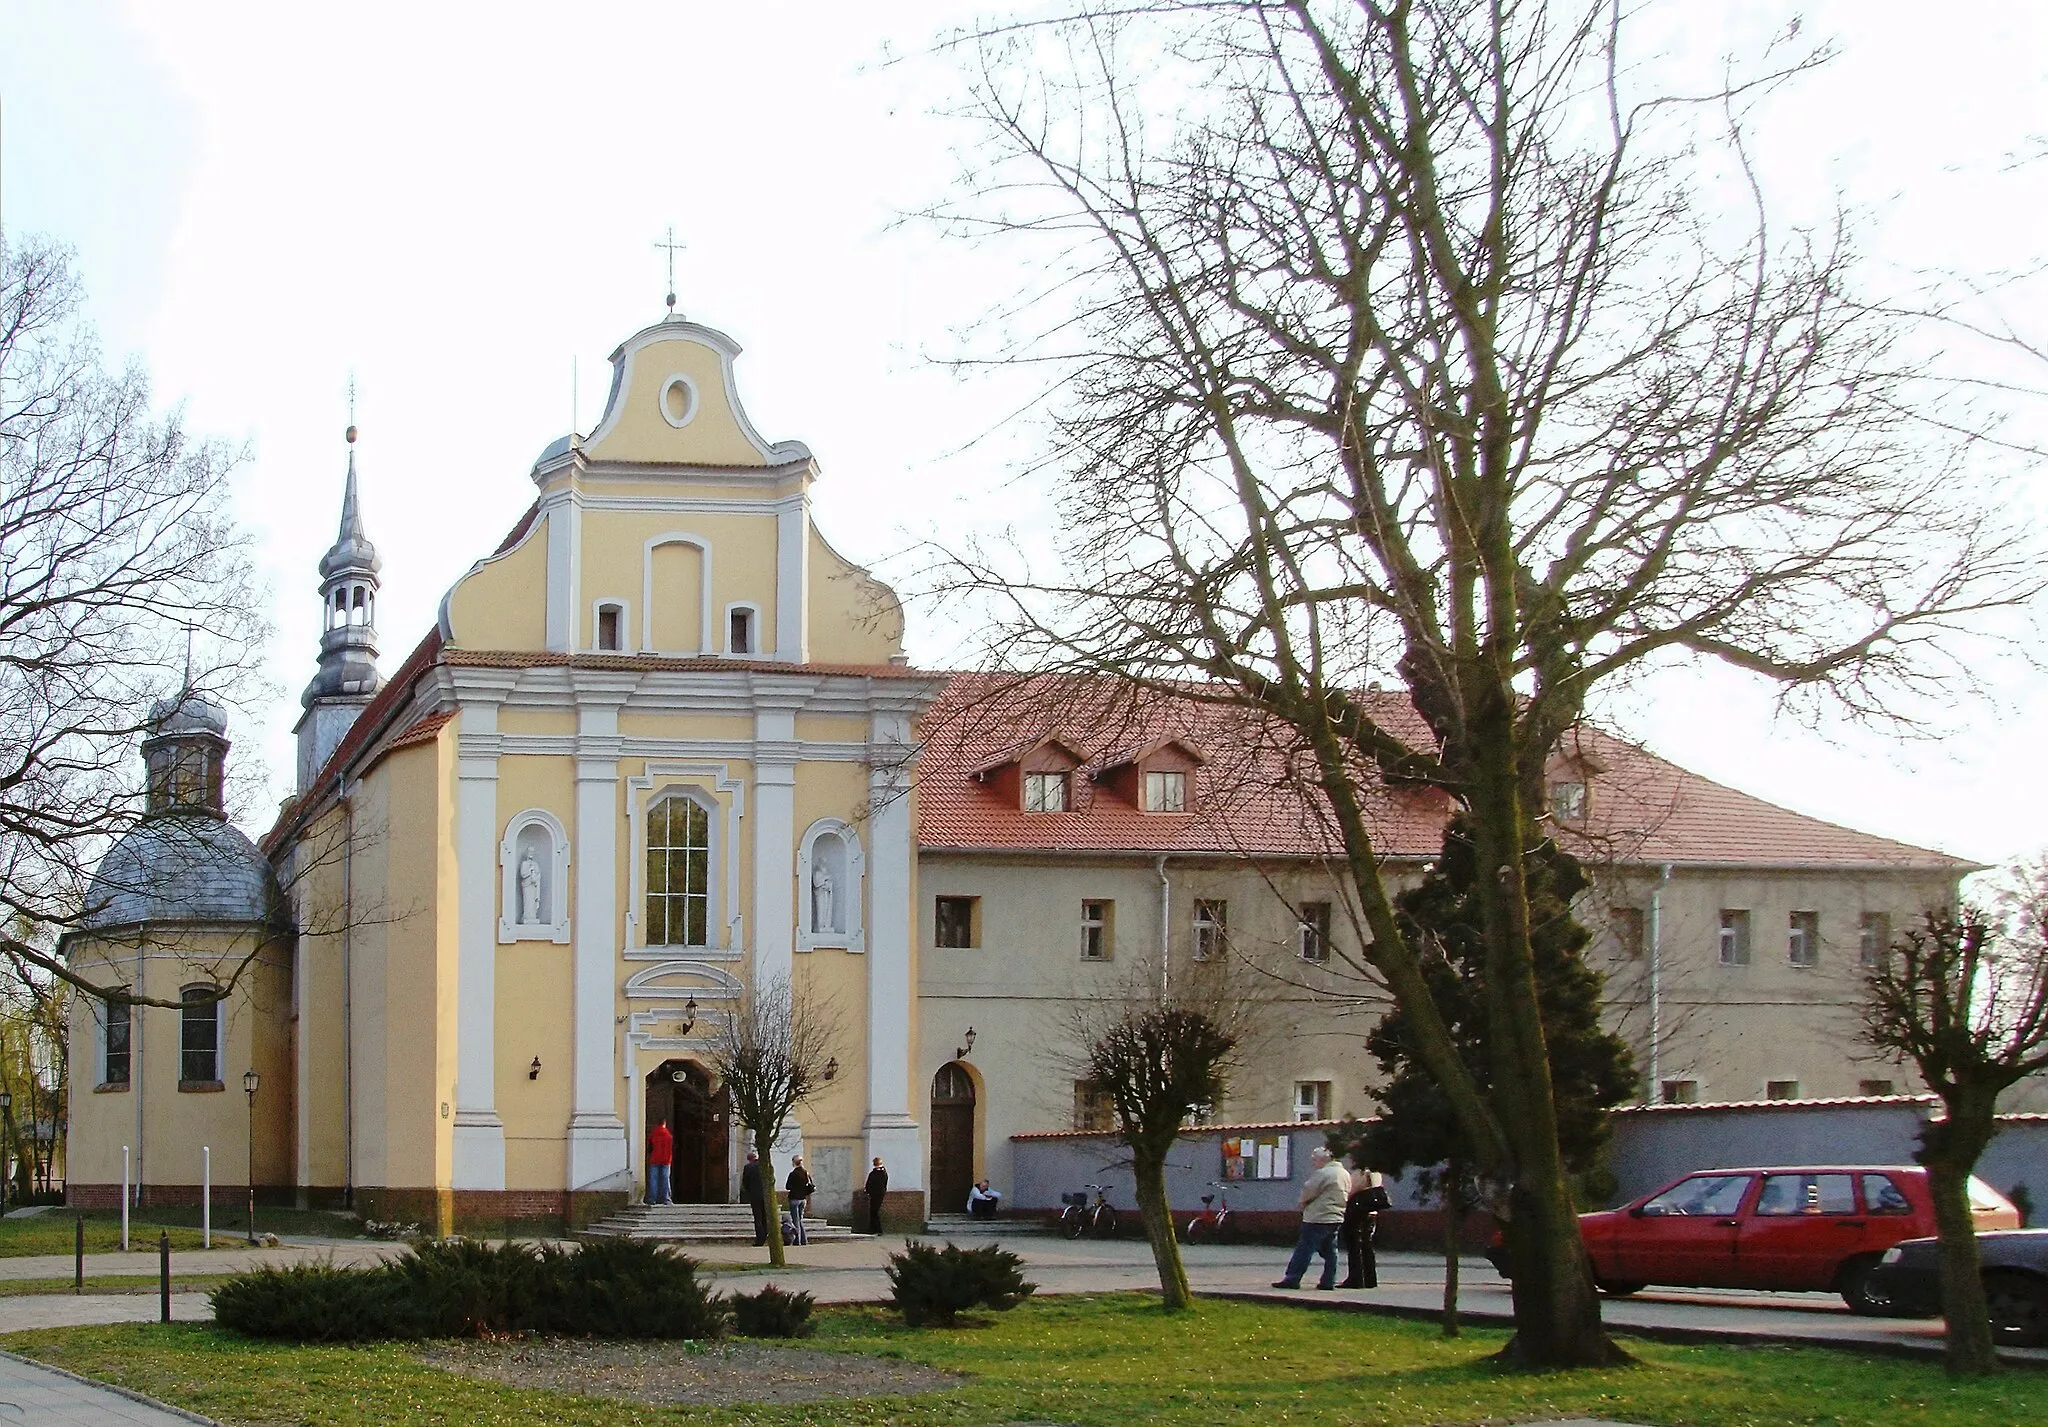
(1361, 1214)
(799, 1189)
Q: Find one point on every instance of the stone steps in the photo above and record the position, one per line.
(700, 1224)
(966, 1226)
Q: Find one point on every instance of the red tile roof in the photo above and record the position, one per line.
(1250, 799)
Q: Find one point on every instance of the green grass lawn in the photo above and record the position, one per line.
(110, 1283)
(1101, 1361)
(52, 1233)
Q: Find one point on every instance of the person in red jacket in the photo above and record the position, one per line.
(661, 1153)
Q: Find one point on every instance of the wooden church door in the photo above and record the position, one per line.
(952, 1139)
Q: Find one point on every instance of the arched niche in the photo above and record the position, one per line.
(831, 876)
(533, 875)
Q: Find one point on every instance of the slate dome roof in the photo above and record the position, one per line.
(185, 867)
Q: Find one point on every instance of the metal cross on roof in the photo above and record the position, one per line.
(672, 247)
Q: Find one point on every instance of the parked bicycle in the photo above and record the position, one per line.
(1080, 1217)
(1214, 1223)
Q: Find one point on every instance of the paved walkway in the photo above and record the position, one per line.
(32, 1393)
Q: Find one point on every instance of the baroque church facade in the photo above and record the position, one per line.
(663, 746)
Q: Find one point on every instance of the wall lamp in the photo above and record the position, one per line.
(831, 1070)
(533, 1071)
(689, 1015)
(961, 1052)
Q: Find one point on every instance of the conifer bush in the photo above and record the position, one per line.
(772, 1313)
(935, 1285)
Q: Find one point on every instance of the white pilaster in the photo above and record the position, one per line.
(565, 568)
(479, 1135)
(774, 820)
(597, 1138)
(793, 580)
(890, 1127)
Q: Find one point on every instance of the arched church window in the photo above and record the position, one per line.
(678, 873)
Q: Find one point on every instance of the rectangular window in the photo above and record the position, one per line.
(114, 1070)
(1315, 931)
(1093, 1109)
(1568, 801)
(1873, 938)
(956, 921)
(1311, 1100)
(678, 873)
(1875, 1087)
(608, 627)
(1045, 792)
(1734, 938)
(199, 1040)
(1802, 939)
(1212, 928)
(1625, 933)
(1781, 1090)
(1166, 792)
(741, 633)
(1678, 1092)
(1098, 930)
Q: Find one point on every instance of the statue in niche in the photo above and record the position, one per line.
(529, 889)
(823, 895)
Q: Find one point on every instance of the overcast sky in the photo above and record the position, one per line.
(459, 204)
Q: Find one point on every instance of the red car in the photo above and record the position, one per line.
(1823, 1227)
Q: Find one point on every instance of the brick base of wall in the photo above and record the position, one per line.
(902, 1211)
(226, 1197)
(490, 1213)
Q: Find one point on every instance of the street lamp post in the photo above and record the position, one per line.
(249, 1080)
(6, 1151)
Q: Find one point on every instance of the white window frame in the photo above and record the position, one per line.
(1211, 932)
(1870, 950)
(1040, 781)
(713, 848)
(1312, 1101)
(625, 629)
(1098, 916)
(1154, 786)
(1568, 799)
(1802, 939)
(220, 1038)
(1311, 937)
(1734, 936)
(754, 627)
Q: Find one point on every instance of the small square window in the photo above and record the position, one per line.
(1802, 943)
(1166, 792)
(1568, 800)
(1045, 792)
(1781, 1090)
(1625, 933)
(1212, 928)
(956, 921)
(608, 628)
(1098, 930)
(1873, 938)
(1678, 1092)
(1734, 937)
(1311, 1100)
(1315, 931)
(1875, 1087)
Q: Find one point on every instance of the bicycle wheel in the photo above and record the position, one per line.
(1071, 1223)
(1105, 1222)
(1201, 1229)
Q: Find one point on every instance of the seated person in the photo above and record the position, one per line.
(982, 1201)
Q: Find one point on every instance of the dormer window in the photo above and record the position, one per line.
(1045, 792)
(1166, 792)
(1568, 800)
(609, 619)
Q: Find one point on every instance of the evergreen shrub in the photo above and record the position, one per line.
(935, 1285)
(612, 1288)
(771, 1313)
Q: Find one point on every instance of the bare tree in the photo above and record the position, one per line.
(1388, 340)
(122, 580)
(1964, 997)
(770, 1052)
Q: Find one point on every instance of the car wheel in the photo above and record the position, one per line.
(1619, 1290)
(1853, 1283)
(2019, 1309)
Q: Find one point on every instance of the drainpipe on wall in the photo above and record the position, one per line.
(137, 1080)
(1656, 981)
(1165, 923)
(348, 1040)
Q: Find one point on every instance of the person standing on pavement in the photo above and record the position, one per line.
(661, 1153)
(799, 1188)
(1323, 1195)
(1361, 1220)
(878, 1190)
(751, 1191)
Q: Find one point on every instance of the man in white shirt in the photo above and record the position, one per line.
(1322, 1214)
(982, 1201)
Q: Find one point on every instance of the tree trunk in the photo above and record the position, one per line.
(1950, 1148)
(1174, 1294)
(764, 1146)
(1454, 1233)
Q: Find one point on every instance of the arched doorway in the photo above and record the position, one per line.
(952, 1138)
(679, 1094)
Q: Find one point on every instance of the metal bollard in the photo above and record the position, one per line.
(163, 1276)
(78, 1270)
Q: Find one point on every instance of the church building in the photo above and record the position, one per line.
(662, 746)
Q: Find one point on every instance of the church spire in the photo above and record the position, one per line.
(347, 678)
